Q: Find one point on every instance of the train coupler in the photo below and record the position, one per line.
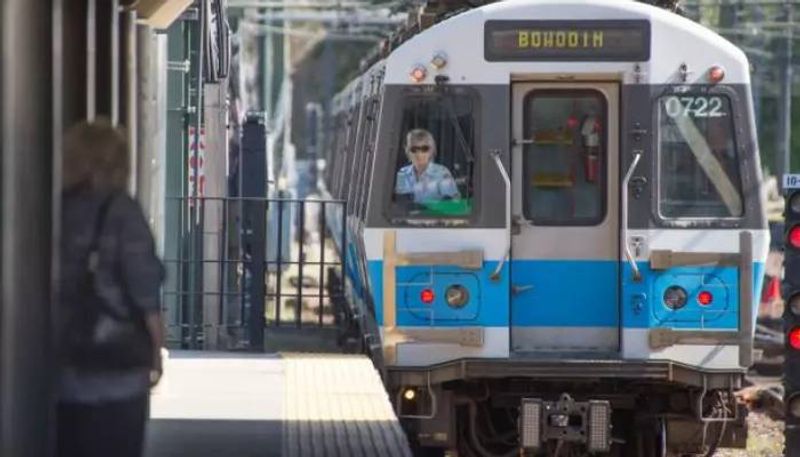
(566, 420)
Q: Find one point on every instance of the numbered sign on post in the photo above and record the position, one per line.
(791, 181)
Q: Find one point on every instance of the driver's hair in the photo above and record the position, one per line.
(418, 136)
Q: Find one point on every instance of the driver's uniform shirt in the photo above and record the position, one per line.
(435, 183)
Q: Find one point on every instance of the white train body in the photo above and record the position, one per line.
(621, 257)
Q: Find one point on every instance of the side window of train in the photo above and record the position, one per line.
(698, 164)
(435, 164)
(369, 150)
(564, 164)
(347, 152)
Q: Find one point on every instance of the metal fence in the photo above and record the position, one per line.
(242, 265)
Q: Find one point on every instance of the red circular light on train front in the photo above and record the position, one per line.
(794, 338)
(426, 296)
(794, 236)
(705, 298)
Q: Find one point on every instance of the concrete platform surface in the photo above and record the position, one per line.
(290, 405)
(217, 404)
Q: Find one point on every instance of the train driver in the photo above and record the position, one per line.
(423, 179)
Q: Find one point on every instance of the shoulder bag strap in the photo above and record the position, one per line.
(93, 259)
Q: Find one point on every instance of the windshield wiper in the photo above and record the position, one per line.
(457, 127)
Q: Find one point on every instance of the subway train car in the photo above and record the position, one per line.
(555, 229)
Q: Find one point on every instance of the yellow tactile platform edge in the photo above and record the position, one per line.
(335, 405)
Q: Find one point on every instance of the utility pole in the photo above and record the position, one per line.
(783, 149)
(759, 42)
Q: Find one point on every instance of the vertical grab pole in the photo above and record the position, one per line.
(637, 276)
(495, 153)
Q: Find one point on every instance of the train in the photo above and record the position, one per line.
(555, 229)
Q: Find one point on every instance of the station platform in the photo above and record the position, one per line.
(288, 405)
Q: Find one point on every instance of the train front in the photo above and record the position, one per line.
(565, 231)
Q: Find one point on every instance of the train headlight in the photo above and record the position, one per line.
(716, 74)
(599, 439)
(457, 296)
(530, 424)
(675, 297)
(439, 60)
(418, 73)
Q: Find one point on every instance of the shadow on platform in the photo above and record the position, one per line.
(207, 438)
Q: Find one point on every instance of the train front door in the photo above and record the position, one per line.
(565, 218)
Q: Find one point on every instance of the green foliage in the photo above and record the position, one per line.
(759, 29)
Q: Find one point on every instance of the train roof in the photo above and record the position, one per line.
(675, 41)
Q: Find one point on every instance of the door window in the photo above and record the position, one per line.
(564, 157)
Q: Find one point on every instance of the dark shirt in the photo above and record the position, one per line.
(129, 275)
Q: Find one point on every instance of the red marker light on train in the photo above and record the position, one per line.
(705, 298)
(426, 296)
(716, 74)
(793, 237)
(418, 74)
(794, 338)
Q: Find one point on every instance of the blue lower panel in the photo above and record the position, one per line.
(565, 293)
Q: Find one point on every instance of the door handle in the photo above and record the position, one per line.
(516, 290)
(495, 153)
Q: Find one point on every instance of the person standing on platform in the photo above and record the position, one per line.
(108, 314)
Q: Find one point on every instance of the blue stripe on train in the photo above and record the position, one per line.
(565, 293)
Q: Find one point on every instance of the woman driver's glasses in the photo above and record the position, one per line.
(420, 148)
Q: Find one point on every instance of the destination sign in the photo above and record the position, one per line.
(585, 41)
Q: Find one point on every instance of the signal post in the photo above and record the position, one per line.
(791, 315)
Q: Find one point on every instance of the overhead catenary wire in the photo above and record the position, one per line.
(313, 35)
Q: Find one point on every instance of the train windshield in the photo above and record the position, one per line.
(436, 160)
(698, 163)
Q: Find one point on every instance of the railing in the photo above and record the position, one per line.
(241, 265)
